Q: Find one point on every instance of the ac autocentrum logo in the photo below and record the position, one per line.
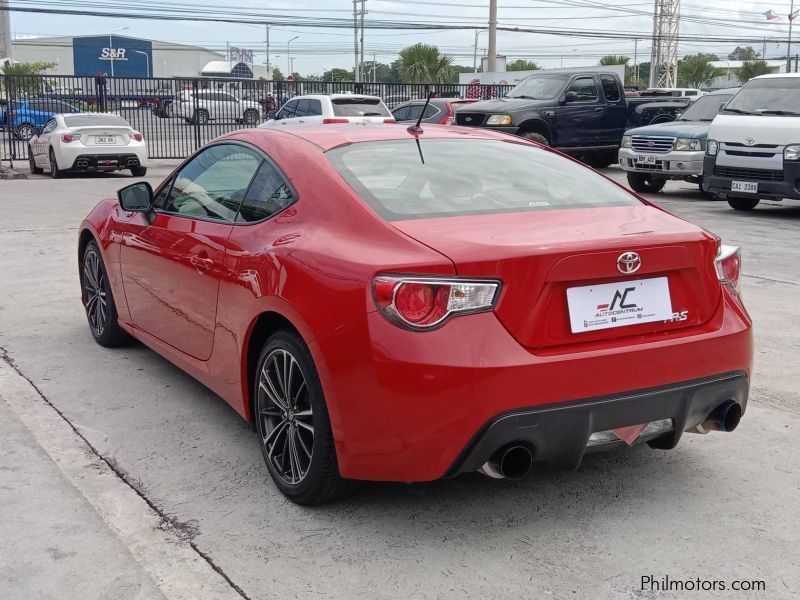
(628, 262)
(620, 304)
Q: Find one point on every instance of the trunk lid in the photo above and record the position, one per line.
(540, 255)
(102, 135)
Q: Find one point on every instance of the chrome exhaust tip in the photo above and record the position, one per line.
(512, 462)
(725, 418)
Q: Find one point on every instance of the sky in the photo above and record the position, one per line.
(316, 49)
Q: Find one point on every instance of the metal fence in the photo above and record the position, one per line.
(178, 116)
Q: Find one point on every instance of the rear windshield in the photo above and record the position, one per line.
(467, 177)
(359, 107)
(95, 120)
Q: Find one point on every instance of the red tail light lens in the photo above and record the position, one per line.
(448, 118)
(136, 136)
(729, 265)
(390, 120)
(68, 138)
(426, 302)
(334, 121)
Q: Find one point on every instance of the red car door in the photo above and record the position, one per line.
(172, 263)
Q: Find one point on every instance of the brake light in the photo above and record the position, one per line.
(334, 121)
(68, 138)
(729, 265)
(421, 303)
(390, 120)
(136, 136)
(448, 118)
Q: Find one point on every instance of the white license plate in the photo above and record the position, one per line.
(647, 159)
(619, 304)
(749, 187)
(102, 139)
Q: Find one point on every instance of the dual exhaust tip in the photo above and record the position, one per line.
(511, 462)
(82, 164)
(725, 418)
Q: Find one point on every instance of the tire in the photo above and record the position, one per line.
(55, 172)
(200, 117)
(24, 132)
(250, 117)
(138, 171)
(645, 183)
(306, 476)
(601, 160)
(535, 137)
(743, 203)
(34, 169)
(98, 300)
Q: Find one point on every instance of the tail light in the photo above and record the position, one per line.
(68, 138)
(334, 121)
(448, 118)
(136, 136)
(729, 265)
(390, 120)
(422, 303)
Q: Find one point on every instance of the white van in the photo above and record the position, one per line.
(753, 148)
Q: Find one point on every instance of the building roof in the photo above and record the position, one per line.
(737, 64)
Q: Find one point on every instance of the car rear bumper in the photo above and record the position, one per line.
(671, 164)
(560, 434)
(789, 187)
(413, 405)
(95, 162)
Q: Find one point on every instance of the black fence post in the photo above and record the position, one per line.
(195, 120)
(9, 136)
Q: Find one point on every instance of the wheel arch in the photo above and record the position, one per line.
(536, 125)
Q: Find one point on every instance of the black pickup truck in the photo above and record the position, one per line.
(581, 113)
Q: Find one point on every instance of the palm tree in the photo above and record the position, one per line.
(422, 63)
(752, 68)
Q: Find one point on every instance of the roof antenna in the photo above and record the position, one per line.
(415, 128)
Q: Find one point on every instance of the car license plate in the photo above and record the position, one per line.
(647, 159)
(619, 304)
(749, 187)
(104, 139)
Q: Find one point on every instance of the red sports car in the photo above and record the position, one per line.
(389, 304)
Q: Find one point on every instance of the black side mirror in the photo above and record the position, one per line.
(571, 97)
(136, 198)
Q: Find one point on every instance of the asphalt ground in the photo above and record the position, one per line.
(720, 507)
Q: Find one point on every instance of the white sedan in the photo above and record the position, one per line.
(87, 142)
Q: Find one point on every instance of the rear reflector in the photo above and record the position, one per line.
(334, 121)
(426, 302)
(729, 265)
(610, 436)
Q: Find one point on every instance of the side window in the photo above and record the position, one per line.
(430, 111)
(227, 98)
(691, 93)
(49, 126)
(414, 111)
(401, 114)
(288, 110)
(269, 194)
(302, 108)
(213, 184)
(586, 89)
(610, 88)
(314, 108)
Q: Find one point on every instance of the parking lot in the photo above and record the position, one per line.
(718, 507)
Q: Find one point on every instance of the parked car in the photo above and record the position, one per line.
(582, 114)
(384, 305)
(395, 100)
(202, 106)
(327, 109)
(439, 110)
(87, 142)
(753, 149)
(3, 114)
(655, 153)
(26, 115)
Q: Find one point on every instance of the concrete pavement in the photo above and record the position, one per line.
(719, 507)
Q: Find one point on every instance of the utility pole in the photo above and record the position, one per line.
(269, 73)
(475, 53)
(664, 55)
(5, 30)
(363, 10)
(355, 39)
(492, 66)
(636, 59)
(789, 46)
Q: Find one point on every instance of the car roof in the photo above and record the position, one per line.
(778, 76)
(327, 137)
(332, 96)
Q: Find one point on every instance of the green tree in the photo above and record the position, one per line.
(522, 65)
(24, 78)
(614, 59)
(752, 68)
(744, 53)
(423, 63)
(696, 71)
(338, 75)
(277, 75)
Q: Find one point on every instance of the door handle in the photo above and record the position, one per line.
(599, 109)
(203, 264)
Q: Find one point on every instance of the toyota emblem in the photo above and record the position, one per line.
(628, 262)
(749, 141)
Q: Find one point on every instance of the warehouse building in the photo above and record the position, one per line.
(122, 56)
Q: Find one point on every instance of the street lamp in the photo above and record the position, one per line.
(146, 61)
(111, 46)
(289, 55)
